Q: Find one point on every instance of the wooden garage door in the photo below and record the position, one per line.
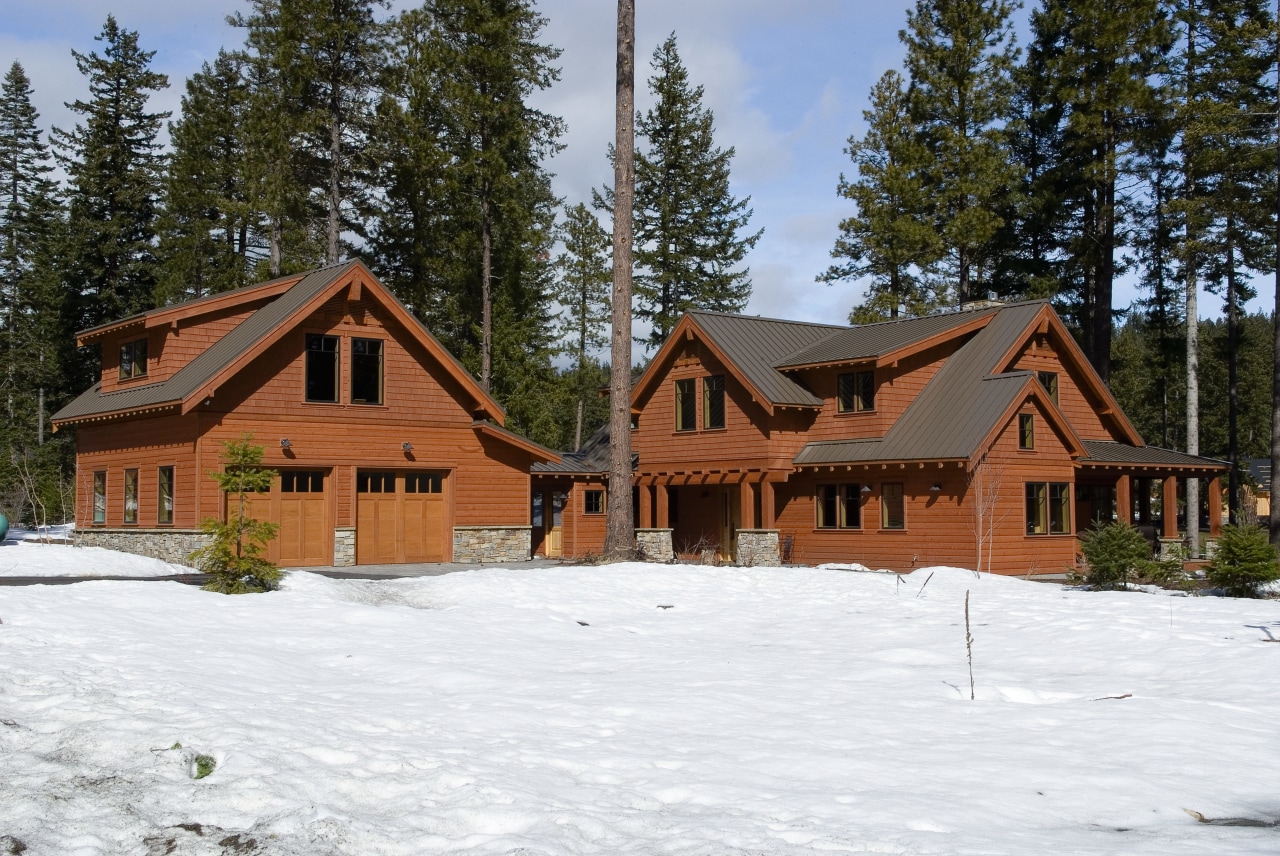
(401, 517)
(298, 504)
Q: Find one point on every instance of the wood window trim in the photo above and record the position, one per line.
(382, 371)
(137, 362)
(1026, 432)
(131, 475)
(586, 504)
(307, 338)
(856, 407)
(884, 508)
(847, 494)
(685, 389)
(1047, 510)
(1049, 380)
(713, 386)
(161, 483)
(99, 481)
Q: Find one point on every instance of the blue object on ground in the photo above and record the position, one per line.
(4, 526)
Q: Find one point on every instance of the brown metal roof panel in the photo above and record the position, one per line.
(754, 344)
(92, 402)
(871, 340)
(593, 457)
(1111, 452)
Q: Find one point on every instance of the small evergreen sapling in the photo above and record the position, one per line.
(1114, 553)
(233, 555)
(1244, 561)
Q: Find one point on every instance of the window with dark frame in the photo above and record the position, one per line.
(375, 483)
(839, 506)
(686, 406)
(130, 496)
(164, 495)
(322, 368)
(423, 483)
(856, 392)
(100, 497)
(366, 371)
(302, 481)
(593, 502)
(133, 359)
(1049, 380)
(1048, 508)
(893, 512)
(1026, 431)
(713, 401)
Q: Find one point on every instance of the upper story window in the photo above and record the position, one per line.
(713, 401)
(366, 371)
(686, 406)
(856, 392)
(1049, 380)
(322, 368)
(1026, 431)
(133, 359)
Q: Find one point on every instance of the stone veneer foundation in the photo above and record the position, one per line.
(169, 545)
(492, 543)
(654, 545)
(344, 546)
(758, 547)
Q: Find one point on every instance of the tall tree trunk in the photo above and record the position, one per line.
(277, 238)
(334, 228)
(620, 521)
(486, 290)
(1106, 265)
(962, 286)
(1193, 320)
(1274, 519)
(1233, 397)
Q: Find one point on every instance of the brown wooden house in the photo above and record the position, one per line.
(980, 438)
(387, 450)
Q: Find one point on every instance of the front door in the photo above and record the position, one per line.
(554, 522)
(730, 520)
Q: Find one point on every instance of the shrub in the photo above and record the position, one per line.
(233, 556)
(1244, 561)
(1114, 552)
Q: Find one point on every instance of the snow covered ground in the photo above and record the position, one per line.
(564, 711)
(23, 555)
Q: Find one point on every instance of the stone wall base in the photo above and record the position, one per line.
(492, 543)
(344, 546)
(758, 547)
(654, 545)
(169, 545)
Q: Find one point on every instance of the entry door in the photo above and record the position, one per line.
(555, 526)
(298, 504)
(730, 519)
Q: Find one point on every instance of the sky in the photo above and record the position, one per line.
(787, 83)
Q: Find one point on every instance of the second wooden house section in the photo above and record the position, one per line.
(981, 438)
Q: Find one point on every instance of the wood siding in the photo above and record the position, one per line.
(145, 445)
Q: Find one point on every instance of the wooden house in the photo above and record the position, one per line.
(386, 449)
(979, 438)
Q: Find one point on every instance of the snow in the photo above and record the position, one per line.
(560, 711)
(22, 554)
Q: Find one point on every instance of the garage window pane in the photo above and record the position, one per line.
(423, 483)
(301, 481)
(376, 483)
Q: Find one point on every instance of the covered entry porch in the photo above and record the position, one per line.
(720, 515)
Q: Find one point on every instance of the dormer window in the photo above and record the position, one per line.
(713, 401)
(133, 359)
(1049, 380)
(1026, 431)
(856, 392)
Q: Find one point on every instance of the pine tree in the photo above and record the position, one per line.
(960, 56)
(209, 230)
(688, 244)
(232, 554)
(583, 293)
(113, 163)
(890, 238)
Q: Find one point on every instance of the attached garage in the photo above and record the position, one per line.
(402, 516)
(299, 503)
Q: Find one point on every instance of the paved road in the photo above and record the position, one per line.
(360, 572)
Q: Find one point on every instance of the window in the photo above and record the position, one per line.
(892, 507)
(133, 359)
(302, 481)
(100, 497)
(376, 483)
(423, 483)
(856, 392)
(713, 401)
(1048, 508)
(839, 506)
(130, 496)
(1026, 431)
(322, 368)
(164, 496)
(1049, 380)
(593, 502)
(686, 417)
(366, 371)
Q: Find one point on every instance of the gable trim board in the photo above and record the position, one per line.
(245, 376)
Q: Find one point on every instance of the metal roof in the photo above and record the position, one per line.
(593, 457)
(873, 340)
(208, 364)
(754, 345)
(1111, 452)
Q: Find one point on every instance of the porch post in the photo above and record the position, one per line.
(766, 505)
(1170, 505)
(1124, 500)
(661, 522)
(1215, 506)
(1144, 501)
(747, 498)
(646, 506)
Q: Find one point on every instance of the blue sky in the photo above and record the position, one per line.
(787, 83)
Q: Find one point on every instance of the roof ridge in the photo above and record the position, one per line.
(747, 317)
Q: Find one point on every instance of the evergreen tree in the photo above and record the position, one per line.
(113, 164)
(960, 55)
(1103, 57)
(232, 554)
(583, 294)
(688, 244)
(889, 238)
(209, 230)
